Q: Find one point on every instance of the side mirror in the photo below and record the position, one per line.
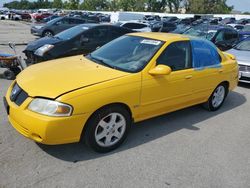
(160, 70)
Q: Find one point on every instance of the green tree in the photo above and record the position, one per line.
(95, 5)
(72, 4)
(57, 4)
(208, 7)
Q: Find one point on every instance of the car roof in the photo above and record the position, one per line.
(160, 36)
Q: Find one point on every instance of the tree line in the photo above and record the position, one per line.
(172, 6)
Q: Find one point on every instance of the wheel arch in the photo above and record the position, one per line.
(123, 105)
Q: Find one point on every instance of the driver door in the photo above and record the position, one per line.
(165, 93)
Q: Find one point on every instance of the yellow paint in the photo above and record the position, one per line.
(88, 86)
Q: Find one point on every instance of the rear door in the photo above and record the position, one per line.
(208, 71)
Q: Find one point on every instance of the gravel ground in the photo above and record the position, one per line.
(188, 148)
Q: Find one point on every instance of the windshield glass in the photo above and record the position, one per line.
(245, 45)
(71, 33)
(127, 53)
(201, 32)
(54, 20)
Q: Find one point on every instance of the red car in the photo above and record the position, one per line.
(40, 16)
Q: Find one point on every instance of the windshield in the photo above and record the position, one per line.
(245, 45)
(127, 53)
(54, 20)
(72, 32)
(201, 32)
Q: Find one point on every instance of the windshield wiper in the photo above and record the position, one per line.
(100, 61)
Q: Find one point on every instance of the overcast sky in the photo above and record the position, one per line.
(241, 5)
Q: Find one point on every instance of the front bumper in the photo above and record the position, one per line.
(44, 129)
(35, 32)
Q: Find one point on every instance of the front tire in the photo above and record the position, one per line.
(47, 33)
(107, 128)
(217, 98)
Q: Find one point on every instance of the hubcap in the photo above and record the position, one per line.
(110, 129)
(218, 96)
(48, 34)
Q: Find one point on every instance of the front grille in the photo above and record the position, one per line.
(18, 95)
(244, 68)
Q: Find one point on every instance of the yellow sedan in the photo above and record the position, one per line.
(135, 77)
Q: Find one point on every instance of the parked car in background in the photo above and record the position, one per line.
(96, 98)
(167, 27)
(223, 37)
(181, 28)
(55, 26)
(242, 54)
(3, 16)
(136, 26)
(81, 39)
(38, 16)
(24, 15)
(243, 21)
(172, 19)
(45, 20)
(228, 20)
(245, 32)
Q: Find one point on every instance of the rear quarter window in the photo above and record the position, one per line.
(205, 54)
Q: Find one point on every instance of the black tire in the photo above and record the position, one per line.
(16, 70)
(210, 105)
(47, 33)
(92, 126)
(9, 75)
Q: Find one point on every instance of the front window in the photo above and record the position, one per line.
(127, 53)
(245, 46)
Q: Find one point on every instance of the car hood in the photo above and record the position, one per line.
(54, 78)
(241, 56)
(34, 45)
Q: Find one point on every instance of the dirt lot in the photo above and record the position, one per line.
(188, 148)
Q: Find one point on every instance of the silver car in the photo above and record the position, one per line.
(242, 54)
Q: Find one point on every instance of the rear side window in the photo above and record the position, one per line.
(205, 54)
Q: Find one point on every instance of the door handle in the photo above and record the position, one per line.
(189, 77)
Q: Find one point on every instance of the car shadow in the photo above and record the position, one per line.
(148, 130)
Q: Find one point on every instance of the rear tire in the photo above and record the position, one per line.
(217, 98)
(107, 128)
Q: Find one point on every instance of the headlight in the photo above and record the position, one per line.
(50, 107)
(42, 50)
(38, 27)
